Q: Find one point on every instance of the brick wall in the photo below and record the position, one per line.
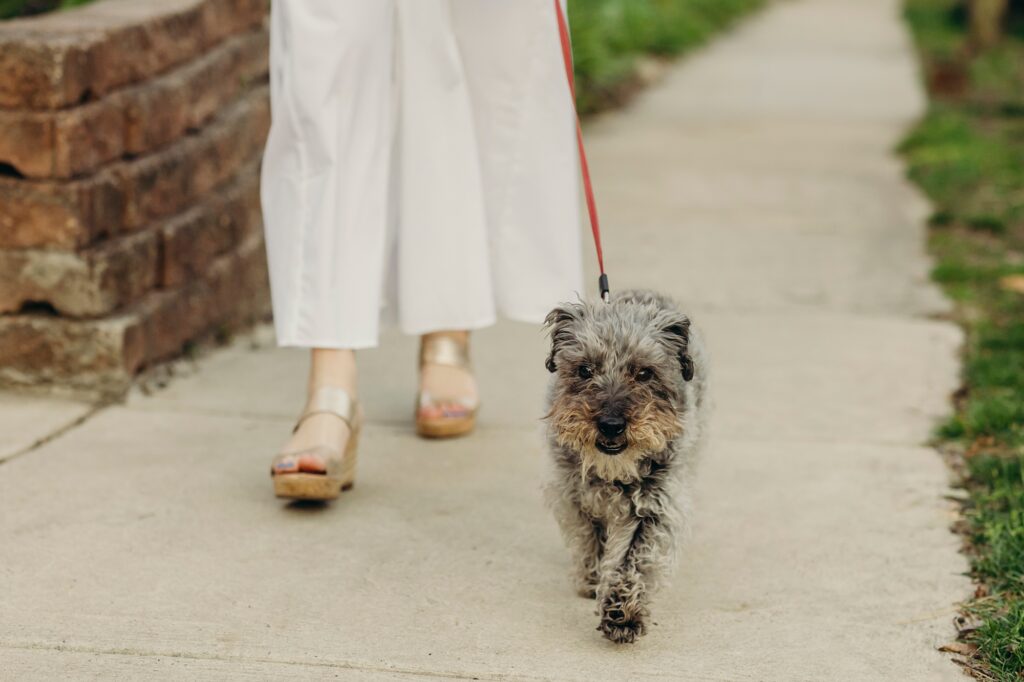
(130, 138)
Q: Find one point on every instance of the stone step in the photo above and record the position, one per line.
(61, 59)
(135, 120)
(99, 357)
(102, 279)
(128, 195)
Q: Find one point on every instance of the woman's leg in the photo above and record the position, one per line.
(325, 178)
(328, 367)
(488, 124)
(444, 262)
(325, 193)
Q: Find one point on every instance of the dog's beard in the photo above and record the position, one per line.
(651, 428)
(621, 467)
(574, 431)
(650, 431)
(647, 435)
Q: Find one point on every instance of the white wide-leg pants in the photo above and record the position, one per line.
(421, 164)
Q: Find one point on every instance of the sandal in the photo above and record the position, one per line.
(444, 417)
(320, 472)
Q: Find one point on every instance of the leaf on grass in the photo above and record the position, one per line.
(961, 648)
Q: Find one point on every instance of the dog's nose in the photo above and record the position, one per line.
(610, 427)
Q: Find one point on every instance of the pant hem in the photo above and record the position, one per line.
(328, 345)
(480, 323)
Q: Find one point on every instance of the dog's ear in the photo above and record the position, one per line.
(687, 363)
(559, 324)
(677, 335)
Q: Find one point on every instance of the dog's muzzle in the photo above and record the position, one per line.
(612, 438)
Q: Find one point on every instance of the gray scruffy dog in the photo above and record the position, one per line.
(627, 413)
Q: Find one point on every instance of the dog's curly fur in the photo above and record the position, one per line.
(635, 365)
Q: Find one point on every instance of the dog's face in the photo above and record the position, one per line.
(620, 371)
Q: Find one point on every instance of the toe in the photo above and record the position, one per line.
(431, 411)
(444, 410)
(312, 464)
(286, 465)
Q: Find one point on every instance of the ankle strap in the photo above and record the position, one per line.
(444, 350)
(330, 400)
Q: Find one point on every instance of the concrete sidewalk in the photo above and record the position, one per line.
(756, 183)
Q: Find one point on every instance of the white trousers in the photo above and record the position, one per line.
(421, 163)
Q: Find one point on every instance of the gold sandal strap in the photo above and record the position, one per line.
(330, 400)
(444, 350)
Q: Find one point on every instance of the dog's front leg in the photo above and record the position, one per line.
(583, 536)
(621, 603)
(640, 545)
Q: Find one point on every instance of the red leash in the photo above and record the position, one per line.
(588, 188)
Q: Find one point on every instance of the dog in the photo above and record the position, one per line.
(627, 414)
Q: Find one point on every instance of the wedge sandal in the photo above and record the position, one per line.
(443, 417)
(320, 472)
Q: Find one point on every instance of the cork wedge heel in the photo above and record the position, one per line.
(320, 472)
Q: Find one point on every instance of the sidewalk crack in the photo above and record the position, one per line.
(55, 434)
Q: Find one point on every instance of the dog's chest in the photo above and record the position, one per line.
(605, 501)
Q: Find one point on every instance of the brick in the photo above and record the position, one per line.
(133, 121)
(114, 273)
(99, 357)
(60, 215)
(191, 241)
(128, 195)
(163, 183)
(233, 293)
(184, 100)
(27, 142)
(42, 72)
(86, 138)
(227, 17)
(237, 287)
(83, 284)
(59, 59)
(61, 144)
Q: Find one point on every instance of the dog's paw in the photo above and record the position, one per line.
(620, 624)
(623, 630)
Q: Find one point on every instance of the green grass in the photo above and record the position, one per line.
(1000, 635)
(609, 36)
(996, 520)
(968, 156)
(972, 264)
(19, 8)
(972, 165)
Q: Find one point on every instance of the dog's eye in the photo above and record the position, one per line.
(644, 374)
(585, 371)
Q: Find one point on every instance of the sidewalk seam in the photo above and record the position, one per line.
(312, 664)
(57, 433)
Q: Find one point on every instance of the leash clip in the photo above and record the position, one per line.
(602, 285)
